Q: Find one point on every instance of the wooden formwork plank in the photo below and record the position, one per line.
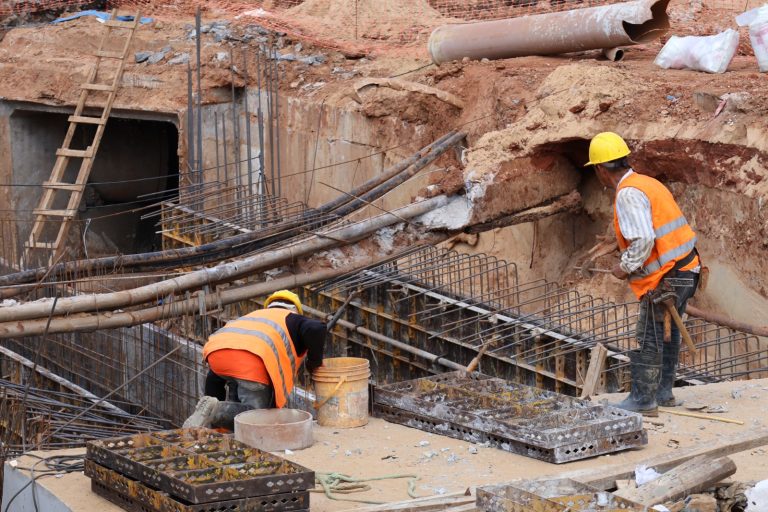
(596, 365)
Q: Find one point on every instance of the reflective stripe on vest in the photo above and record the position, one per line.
(266, 339)
(283, 336)
(672, 255)
(674, 238)
(263, 333)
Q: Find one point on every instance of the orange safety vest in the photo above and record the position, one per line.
(264, 334)
(674, 237)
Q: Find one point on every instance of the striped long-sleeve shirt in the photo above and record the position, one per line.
(633, 209)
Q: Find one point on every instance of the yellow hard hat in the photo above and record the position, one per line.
(285, 296)
(606, 147)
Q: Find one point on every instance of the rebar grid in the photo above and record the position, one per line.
(227, 212)
(104, 360)
(476, 300)
(43, 420)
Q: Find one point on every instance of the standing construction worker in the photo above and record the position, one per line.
(258, 357)
(658, 257)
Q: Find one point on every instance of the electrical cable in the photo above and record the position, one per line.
(56, 464)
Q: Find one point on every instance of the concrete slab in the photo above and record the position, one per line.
(70, 492)
(444, 465)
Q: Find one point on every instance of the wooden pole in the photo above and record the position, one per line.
(596, 365)
(715, 318)
(473, 364)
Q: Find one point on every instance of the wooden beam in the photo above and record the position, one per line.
(605, 477)
(596, 365)
(690, 477)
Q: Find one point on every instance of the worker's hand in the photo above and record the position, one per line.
(618, 272)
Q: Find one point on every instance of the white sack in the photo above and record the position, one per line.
(700, 53)
(757, 497)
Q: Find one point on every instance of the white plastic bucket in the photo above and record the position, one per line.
(341, 391)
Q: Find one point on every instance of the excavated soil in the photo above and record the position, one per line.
(369, 19)
(518, 114)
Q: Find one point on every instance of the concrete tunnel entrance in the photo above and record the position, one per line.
(136, 162)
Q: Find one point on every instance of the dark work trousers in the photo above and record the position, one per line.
(650, 322)
(223, 388)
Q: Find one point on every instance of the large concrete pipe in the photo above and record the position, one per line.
(592, 28)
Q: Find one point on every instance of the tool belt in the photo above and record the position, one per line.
(670, 281)
(685, 261)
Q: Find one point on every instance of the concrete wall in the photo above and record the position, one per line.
(342, 145)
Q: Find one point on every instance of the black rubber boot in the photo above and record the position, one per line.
(646, 371)
(225, 412)
(669, 358)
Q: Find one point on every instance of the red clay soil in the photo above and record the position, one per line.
(515, 108)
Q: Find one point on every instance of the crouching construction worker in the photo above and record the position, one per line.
(658, 256)
(257, 357)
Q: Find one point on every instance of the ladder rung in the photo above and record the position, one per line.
(76, 153)
(55, 213)
(57, 185)
(98, 87)
(109, 55)
(120, 24)
(87, 120)
(40, 245)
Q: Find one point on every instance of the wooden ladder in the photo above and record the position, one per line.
(57, 191)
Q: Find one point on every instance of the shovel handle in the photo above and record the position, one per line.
(667, 326)
(681, 327)
(472, 366)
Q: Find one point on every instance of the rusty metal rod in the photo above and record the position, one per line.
(385, 339)
(225, 272)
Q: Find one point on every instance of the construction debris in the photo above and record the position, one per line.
(560, 495)
(277, 146)
(605, 478)
(695, 475)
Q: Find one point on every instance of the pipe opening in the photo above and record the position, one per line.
(652, 29)
(613, 54)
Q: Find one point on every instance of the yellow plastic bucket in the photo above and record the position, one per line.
(341, 392)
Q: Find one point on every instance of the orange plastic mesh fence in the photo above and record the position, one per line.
(359, 26)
